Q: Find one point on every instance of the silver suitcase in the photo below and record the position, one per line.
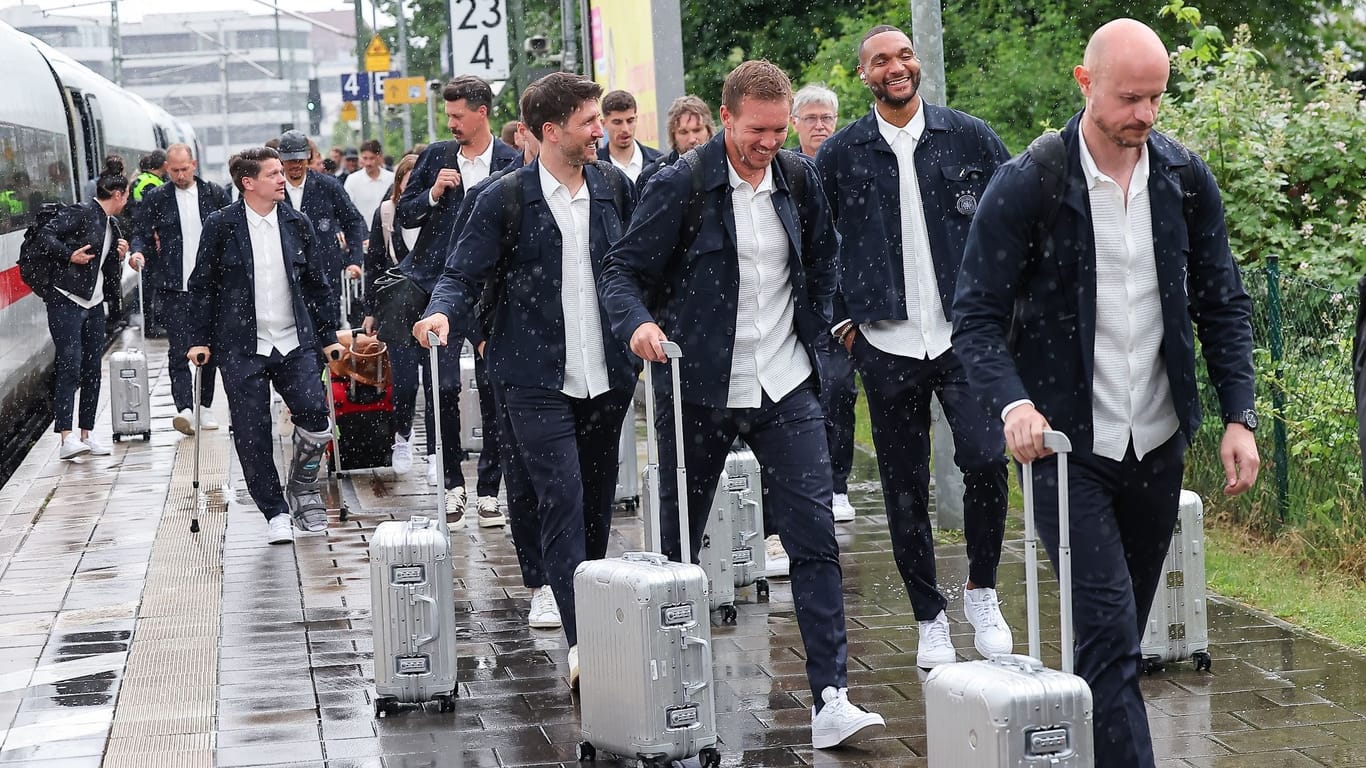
(1178, 624)
(742, 476)
(1012, 711)
(715, 556)
(130, 398)
(628, 463)
(645, 666)
(471, 418)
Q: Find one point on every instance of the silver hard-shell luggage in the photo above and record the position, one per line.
(645, 666)
(130, 396)
(471, 418)
(1178, 624)
(732, 551)
(1011, 711)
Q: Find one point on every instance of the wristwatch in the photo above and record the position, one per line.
(1247, 418)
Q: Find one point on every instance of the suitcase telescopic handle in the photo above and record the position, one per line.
(673, 353)
(1060, 445)
(434, 342)
(705, 680)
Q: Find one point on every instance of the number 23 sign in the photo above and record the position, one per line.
(479, 38)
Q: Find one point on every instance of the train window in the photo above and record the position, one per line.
(34, 169)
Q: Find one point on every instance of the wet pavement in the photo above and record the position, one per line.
(127, 640)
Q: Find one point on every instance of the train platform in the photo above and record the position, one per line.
(127, 640)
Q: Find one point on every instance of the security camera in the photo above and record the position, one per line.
(537, 45)
(435, 86)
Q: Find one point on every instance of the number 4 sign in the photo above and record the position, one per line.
(479, 38)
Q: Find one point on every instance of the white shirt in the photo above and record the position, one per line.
(187, 206)
(1131, 397)
(925, 333)
(96, 296)
(585, 362)
(367, 193)
(296, 194)
(472, 170)
(634, 166)
(767, 353)
(274, 302)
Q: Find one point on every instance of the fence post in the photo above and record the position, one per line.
(1281, 453)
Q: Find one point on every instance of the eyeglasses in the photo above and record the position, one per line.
(810, 120)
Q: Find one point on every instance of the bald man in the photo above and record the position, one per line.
(1085, 242)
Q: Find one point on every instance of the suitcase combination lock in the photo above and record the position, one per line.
(1048, 741)
(407, 574)
(677, 615)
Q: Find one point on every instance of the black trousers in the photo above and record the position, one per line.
(490, 459)
(78, 336)
(176, 313)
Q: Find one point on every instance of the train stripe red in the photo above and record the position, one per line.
(12, 289)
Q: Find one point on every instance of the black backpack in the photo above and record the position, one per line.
(37, 267)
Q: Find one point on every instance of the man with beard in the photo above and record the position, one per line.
(565, 380)
(444, 172)
(340, 229)
(1073, 312)
(166, 230)
(263, 309)
(903, 183)
(741, 253)
(620, 145)
(690, 125)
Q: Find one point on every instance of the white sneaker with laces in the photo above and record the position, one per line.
(455, 508)
(97, 446)
(574, 667)
(844, 511)
(935, 646)
(433, 470)
(206, 420)
(72, 447)
(281, 529)
(840, 722)
(401, 458)
(545, 613)
(992, 634)
(775, 557)
(184, 421)
(490, 515)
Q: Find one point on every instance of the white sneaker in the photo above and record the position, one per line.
(574, 667)
(455, 508)
(281, 529)
(840, 722)
(545, 613)
(206, 420)
(184, 421)
(401, 458)
(97, 446)
(490, 516)
(935, 647)
(433, 471)
(72, 447)
(775, 557)
(992, 634)
(844, 511)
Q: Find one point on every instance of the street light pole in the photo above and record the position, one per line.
(361, 42)
(403, 70)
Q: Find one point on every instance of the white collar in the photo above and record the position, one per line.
(550, 185)
(1138, 180)
(486, 157)
(255, 219)
(915, 129)
(291, 185)
(637, 157)
(765, 184)
(193, 189)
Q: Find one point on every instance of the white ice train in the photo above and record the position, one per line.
(58, 121)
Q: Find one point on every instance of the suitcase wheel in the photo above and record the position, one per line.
(1151, 664)
(728, 614)
(761, 590)
(344, 513)
(587, 752)
(117, 437)
(1202, 661)
(710, 757)
(385, 705)
(147, 437)
(446, 702)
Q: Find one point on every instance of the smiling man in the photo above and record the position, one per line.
(745, 268)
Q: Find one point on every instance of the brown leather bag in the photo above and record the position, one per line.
(368, 361)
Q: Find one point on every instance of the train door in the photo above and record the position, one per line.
(91, 133)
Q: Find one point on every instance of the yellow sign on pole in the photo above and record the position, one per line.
(349, 112)
(376, 56)
(405, 90)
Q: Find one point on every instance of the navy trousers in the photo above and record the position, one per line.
(78, 336)
(176, 313)
(490, 459)
(838, 397)
(569, 447)
(524, 519)
(412, 363)
(247, 379)
(1123, 514)
(788, 439)
(898, 390)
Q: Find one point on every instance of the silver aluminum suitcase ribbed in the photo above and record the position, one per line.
(645, 666)
(412, 598)
(1011, 711)
(130, 394)
(471, 418)
(715, 556)
(1178, 624)
(742, 476)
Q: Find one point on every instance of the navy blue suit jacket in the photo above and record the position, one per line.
(697, 290)
(223, 284)
(954, 160)
(647, 154)
(438, 222)
(330, 210)
(1024, 325)
(526, 346)
(76, 226)
(157, 220)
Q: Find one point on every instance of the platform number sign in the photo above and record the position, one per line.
(479, 38)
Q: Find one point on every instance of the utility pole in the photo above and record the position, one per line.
(361, 42)
(227, 110)
(927, 26)
(569, 61)
(115, 42)
(585, 39)
(516, 36)
(402, 67)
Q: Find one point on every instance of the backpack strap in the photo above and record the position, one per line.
(692, 221)
(1050, 155)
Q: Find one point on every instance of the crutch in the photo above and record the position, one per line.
(198, 494)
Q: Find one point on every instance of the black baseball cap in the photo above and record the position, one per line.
(294, 146)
